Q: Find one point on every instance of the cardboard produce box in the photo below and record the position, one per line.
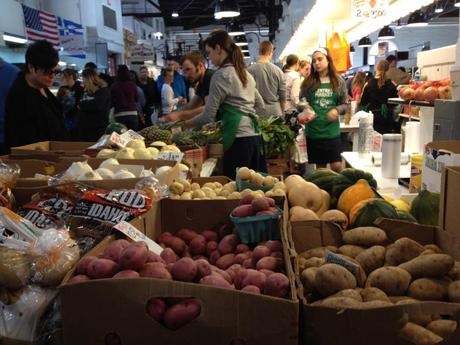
(379, 326)
(449, 217)
(438, 154)
(93, 310)
(58, 148)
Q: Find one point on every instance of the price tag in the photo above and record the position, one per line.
(350, 266)
(170, 156)
(134, 234)
(131, 135)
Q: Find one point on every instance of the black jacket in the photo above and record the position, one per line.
(31, 117)
(94, 115)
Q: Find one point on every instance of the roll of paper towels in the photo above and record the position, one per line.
(377, 158)
(412, 137)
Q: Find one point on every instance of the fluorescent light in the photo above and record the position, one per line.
(247, 57)
(62, 63)
(175, 14)
(241, 44)
(226, 9)
(244, 50)
(457, 4)
(14, 39)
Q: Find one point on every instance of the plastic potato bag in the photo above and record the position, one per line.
(53, 255)
(19, 319)
(14, 267)
(9, 173)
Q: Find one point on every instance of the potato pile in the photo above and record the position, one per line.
(402, 272)
(174, 313)
(254, 206)
(276, 187)
(210, 258)
(184, 190)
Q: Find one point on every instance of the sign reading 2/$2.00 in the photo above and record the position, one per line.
(369, 9)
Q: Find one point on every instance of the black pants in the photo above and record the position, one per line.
(245, 152)
(130, 121)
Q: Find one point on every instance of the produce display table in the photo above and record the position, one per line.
(353, 129)
(386, 186)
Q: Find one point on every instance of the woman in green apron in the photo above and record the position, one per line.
(234, 95)
(326, 92)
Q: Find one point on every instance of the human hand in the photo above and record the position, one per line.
(182, 100)
(306, 116)
(332, 115)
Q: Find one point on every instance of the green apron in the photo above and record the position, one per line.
(322, 101)
(231, 118)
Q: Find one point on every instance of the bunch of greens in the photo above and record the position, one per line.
(278, 137)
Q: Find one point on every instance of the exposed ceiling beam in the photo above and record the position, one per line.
(142, 15)
(154, 5)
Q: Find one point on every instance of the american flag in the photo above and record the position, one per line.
(41, 25)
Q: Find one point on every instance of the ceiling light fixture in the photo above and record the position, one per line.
(14, 39)
(226, 9)
(352, 49)
(386, 33)
(235, 29)
(418, 18)
(244, 50)
(241, 41)
(457, 4)
(174, 14)
(365, 42)
(439, 8)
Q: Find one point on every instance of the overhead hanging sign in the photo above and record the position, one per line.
(369, 9)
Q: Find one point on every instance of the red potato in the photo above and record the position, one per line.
(277, 285)
(127, 274)
(249, 263)
(251, 289)
(271, 202)
(114, 250)
(254, 277)
(82, 267)
(200, 257)
(274, 246)
(156, 308)
(270, 263)
(267, 273)
(184, 270)
(169, 256)
(134, 257)
(80, 278)
(187, 235)
(197, 245)
(240, 258)
(163, 238)
(176, 244)
(222, 273)
(223, 231)
(242, 248)
(155, 270)
(243, 211)
(247, 199)
(239, 277)
(431, 93)
(169, 267)
(228, 244)
(215, 280)
(278, 255)
(211, 246)
(186, 253)
(152, 257)
(233, 270)
(203, 269)
(102, 268)
(419, 94)
(260, 204)
(225, 261)
(265, 212)
(260, 252)
(215, 255)
(210, 235)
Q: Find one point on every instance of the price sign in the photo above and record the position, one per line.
(134, 234)
(369, 9)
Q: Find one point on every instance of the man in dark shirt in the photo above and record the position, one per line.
(195, 72)
(33, 113)
(152, 96)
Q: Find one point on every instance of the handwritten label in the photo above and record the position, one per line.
(369, 9)
(134, 234)
(170, 156)
(131, 135)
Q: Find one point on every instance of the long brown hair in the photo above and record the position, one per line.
(381, 73)
(313, 82)
(234, 54)
(291, 60)
(358, 80)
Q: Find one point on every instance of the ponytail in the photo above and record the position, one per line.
(381, 78)
(237, 60)
(382, 68)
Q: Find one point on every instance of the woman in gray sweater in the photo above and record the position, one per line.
(233, 93)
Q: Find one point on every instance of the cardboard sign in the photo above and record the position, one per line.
(134, 234)
(350, 266)
(369, 9)
(131, 135)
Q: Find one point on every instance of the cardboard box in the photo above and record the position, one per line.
(195, 158)
(94, 309)
(449, 217)
(58, 148)
(438, 154)
(376, 326)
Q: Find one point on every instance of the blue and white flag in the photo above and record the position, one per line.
(71, 38)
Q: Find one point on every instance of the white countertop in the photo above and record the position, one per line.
(348, 128)
(386, 186)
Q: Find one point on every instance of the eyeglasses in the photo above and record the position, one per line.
(51, 72)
